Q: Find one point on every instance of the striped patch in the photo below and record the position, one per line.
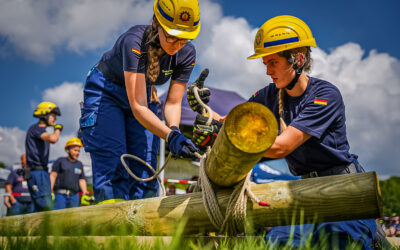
(280, 42)
(320, 101)
(136, 51)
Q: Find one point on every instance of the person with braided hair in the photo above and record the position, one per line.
(120, 100)
(312, 137)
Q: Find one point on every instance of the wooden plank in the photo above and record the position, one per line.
(332, 198)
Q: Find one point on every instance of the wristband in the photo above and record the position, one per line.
(166, 138)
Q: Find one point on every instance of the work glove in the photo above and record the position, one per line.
(85, 200)
(205, 135)
(180, 146)
(53, 197)
(204, 93)
(58, 126)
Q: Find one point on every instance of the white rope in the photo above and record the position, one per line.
(204, 106)
(233, 220)
(156, 174)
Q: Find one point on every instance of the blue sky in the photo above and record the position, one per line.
(46, 50)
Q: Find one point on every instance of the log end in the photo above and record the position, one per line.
(251, 127)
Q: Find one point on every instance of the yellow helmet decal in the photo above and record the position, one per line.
(281, 33)
(180, 18)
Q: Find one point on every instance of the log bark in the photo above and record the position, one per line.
(249, 130)
(332, 198)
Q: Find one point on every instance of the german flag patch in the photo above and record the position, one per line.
(321, 101)
(255, 94)
(136, 51)
(193, 63)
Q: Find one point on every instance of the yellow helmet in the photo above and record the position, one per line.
(281, 33)
(74, 141)
(180, 18)
(46, 108)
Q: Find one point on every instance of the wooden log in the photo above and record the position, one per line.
(332, 198)
(249, 130)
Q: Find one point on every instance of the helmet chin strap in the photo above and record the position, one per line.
(45, 119)
(296, 77)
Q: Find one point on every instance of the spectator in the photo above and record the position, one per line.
(67, 176)
(396, 225)
(192, 186)
(19, 201)
(171, 189)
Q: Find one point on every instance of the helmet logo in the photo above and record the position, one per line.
(259, 37)
(184, 16)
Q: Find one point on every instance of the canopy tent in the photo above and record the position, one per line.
(221, 101)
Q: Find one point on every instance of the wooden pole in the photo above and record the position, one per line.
(249, 130)
(332, 198)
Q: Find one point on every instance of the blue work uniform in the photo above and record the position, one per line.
(19, 187)
(66, 186)
(319, 112)
(37, 157)
(108, 126)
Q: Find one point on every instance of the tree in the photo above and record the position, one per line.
(2, 165)
(390, 195)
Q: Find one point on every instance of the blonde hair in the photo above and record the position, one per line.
(282, 124)
(290, 56)
(154, 51)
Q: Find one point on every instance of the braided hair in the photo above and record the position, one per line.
(290, 55)
(154, 51)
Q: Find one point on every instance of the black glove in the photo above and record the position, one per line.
(204, 135)
(204, 93)
(180, 146)
(58, 126)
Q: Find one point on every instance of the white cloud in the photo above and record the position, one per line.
(12, 146)
(223, 46)
(370, 86)
(38, 28)
(67, 97)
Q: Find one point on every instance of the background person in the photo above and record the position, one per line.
(119, 116)
(20, 204)
(67, 177)
(37, 145)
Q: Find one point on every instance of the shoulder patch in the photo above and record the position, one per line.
(136, 51)
(193, 63)
(320, 101)
(255, 94)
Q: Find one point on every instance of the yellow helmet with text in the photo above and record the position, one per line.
(180, 18)
(46, 108)
(281, 33)
(74, 141)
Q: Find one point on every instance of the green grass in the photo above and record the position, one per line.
(178, 241)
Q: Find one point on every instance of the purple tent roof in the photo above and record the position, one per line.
(221, 101)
